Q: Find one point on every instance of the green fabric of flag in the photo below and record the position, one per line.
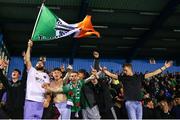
(45, 25)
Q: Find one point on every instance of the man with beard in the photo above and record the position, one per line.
(37, 76)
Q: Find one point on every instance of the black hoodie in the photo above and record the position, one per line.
(15, 95)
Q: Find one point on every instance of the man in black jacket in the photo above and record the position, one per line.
(103, 99)
(89, 106)
(101, 91)
(15, 91)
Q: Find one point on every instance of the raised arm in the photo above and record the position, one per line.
(89, 78)
(24, 76)
(4, 80)
(48, 88)
(69, 70)
(28, 55)
(160, 70)
(95, 75)
(24, 73)
(109, 73)
(96, 60)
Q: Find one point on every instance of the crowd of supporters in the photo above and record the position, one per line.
(160, 97)
(84, 94)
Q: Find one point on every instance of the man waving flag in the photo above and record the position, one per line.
(49, 27)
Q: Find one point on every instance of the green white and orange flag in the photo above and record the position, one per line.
(49, 27)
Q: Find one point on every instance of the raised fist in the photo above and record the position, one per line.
(96, 54)
(168, 64)
(30, 43)
(3, 64)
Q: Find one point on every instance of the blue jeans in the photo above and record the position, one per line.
(65, 111)
(134, 109)
(91, 113)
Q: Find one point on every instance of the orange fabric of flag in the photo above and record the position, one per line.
(86, 28)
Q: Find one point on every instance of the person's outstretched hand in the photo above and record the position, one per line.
(168, 64)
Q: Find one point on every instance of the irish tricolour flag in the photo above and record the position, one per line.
(49, 27)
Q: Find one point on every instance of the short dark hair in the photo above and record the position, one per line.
(58, 69)
(147, 100)
(86, 74)
(177, 95)
(41, 61)
(57, 93)
(82, 71)
(17, 70)
(127, 65)
(74, 72)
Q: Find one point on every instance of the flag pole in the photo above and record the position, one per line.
(43, 1)
(38, 18)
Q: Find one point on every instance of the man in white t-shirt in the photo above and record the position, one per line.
(33, 108)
